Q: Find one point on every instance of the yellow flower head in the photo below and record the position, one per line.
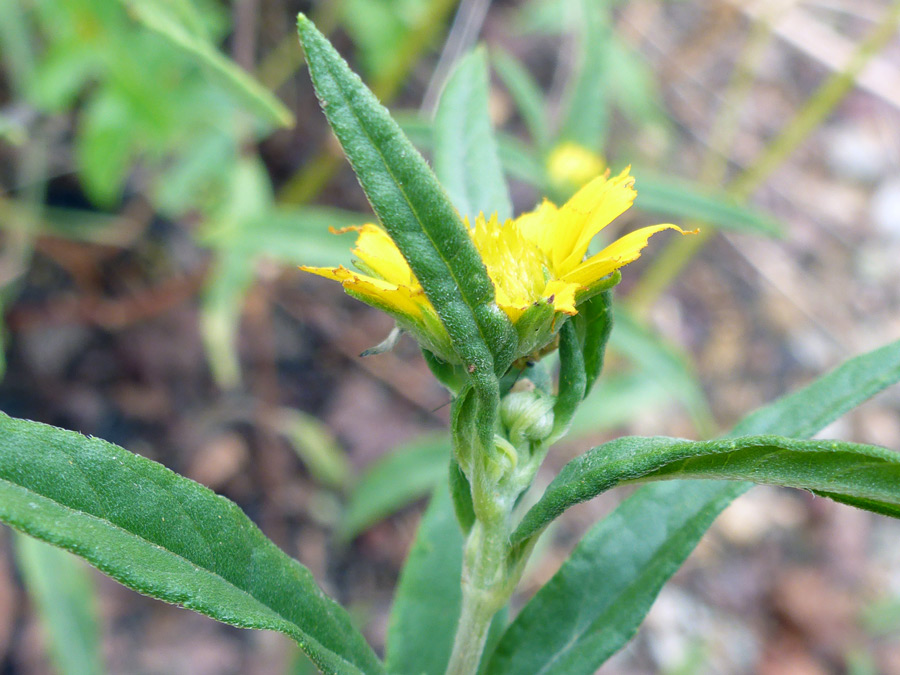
(536, 263)
(570, 165)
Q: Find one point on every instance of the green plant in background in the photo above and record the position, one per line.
(484, 338)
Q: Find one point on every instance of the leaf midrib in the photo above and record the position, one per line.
(233, 620)
(414, 210)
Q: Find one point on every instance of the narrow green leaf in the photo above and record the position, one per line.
(426, 605)
(799, 415)
(168, 537)
(260, 100)
(293, 235)
(63, 592)
(465, 152)
(670, 518)
(594, 604)
(587, 109)
(461, 492)
(594, 321)
(416, 213)
(674, 197)
(864, 474)
(394, 481)
(526, 93)
(572, 379)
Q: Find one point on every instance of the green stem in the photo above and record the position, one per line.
(485, 589)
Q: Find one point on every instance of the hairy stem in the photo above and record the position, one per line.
(485, 589)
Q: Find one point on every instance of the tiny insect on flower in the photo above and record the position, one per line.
(536, 262)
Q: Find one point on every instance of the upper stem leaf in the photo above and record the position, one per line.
(860, 475)
(414, 210)
(600, 596)
(867, 476)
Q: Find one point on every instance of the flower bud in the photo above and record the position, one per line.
(527, 416)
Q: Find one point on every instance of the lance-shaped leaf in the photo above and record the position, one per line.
(801, 414)
(595, 602)
(414, 210)
(168, 537)
(572, 380)
(465, 151)
(599, 597)
(61, 587)
(866, 475)
(594, 322)
(158, 18)
(426, 605)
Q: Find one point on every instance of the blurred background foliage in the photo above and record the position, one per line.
(164, 168)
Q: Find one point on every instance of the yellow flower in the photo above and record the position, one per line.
(536, 263)
(570, 165)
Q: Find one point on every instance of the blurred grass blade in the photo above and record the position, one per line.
(808, 411)
(417, 214)
(465, 151)
(518, 160)
(572, 625)
(653, 355)
(325, 460)
(674, 197)
(396, 480)
(221, 305)
(587, 108)
(260, 100)
(526, 93)
(63, 593)
(426, 604)
(168, 537)
(865, 476)
(293, 235)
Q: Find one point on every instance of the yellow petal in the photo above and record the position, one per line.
(514, 264)
(381, 256)
(402, 299)
(563, 295)
(539, 226)
(618, 254)
(592, 208)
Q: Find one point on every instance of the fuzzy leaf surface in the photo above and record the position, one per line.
(415, 211)
(868, 476)
(168, 537)
(571, 626)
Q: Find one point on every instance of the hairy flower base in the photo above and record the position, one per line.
(536, 263)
